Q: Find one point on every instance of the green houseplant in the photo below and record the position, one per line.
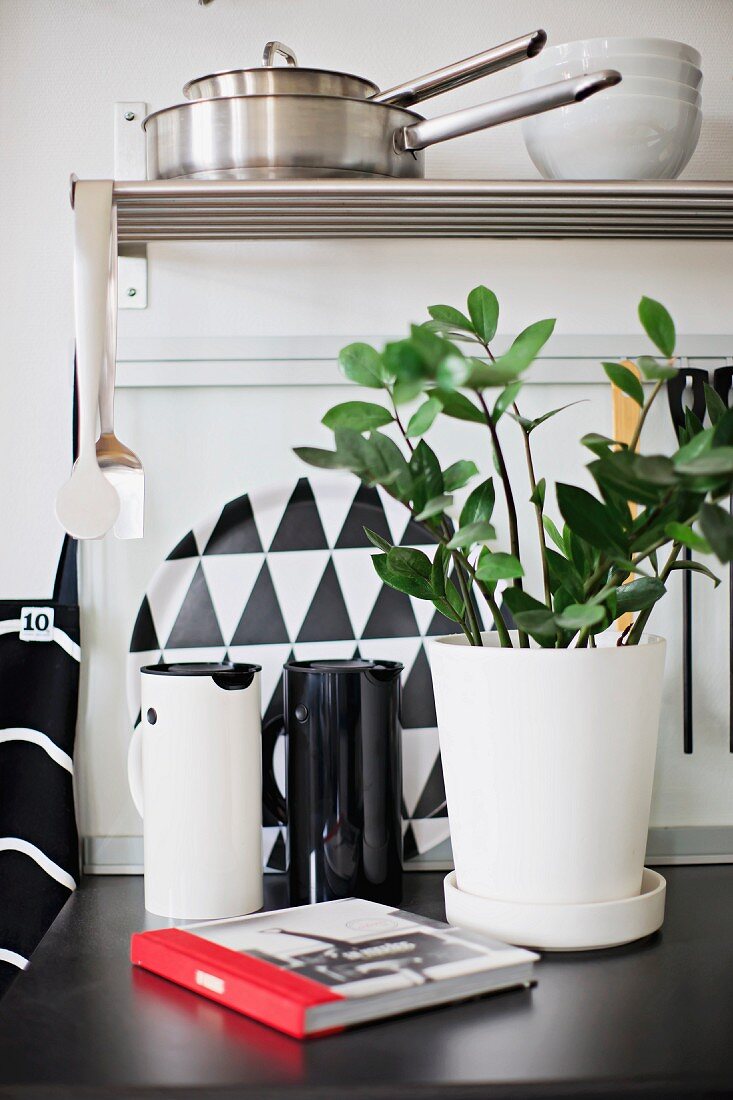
(586, 563)
(548, 725)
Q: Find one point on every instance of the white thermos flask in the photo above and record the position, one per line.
(195, 773)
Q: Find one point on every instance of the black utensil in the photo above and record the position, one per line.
(676, 389)
(722, 382)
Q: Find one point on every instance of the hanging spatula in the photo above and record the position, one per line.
(722, 383)
(625, 420)
(121, 466)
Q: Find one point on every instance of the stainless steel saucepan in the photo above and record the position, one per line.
(311, 135)
(294, 79)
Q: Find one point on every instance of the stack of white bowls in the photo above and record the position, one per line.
(646, 127)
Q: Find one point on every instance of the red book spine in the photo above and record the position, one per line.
(252, 986)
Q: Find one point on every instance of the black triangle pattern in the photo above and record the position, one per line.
(262, 622)
(301, 527)
(392, 616)
(235, 531)
(277, 860)
(196, 625)
(409, 844)
(432, 801)
(366, 511)
(327, 619)
(186, 548)
(144, 636)
(418, 705)
(415, 535)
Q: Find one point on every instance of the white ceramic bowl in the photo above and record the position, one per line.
(614, 135)
(622, 47)
(630, 85)
(540, 69)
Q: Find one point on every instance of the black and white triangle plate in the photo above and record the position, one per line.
(286, 572)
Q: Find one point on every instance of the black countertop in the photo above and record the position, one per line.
(651, 1019)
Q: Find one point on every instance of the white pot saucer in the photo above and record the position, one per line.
(561, 927)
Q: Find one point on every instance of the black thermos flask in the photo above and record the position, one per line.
(344, 779)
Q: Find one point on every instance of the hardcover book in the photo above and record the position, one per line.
(319, 968)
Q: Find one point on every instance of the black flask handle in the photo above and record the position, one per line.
(272, 796)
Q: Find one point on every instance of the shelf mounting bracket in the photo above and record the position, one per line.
(130, 164)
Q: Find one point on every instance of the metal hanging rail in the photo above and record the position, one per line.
(190, 210)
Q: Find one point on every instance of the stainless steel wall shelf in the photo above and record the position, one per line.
(190, 210)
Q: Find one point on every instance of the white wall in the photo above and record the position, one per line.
(63, 63)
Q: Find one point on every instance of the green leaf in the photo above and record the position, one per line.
(658, 325)
(458, 474)
(639, 594)
(386, 465)
(506, 398)
(563, 574)
(716, 461)
(403, 559)
(530, 425)
(361, 363)
(479, 505)
(352, 449)
(445, 609)
(452, 371)
(531, 615)
(458, 406)
(412, 584)
(723, 432)
(577, 616)
(427, 478)
(435, 507)
(424, 417)
(359, 415)
(499, 567)
(527, 346)
(431, 347)
(717, 527)
(448, 315)
(471, 534)
(598, 444)
(590, 518)
(680, 532)
(406, 390)
(481, 374)
(483, 308)
(696, 567)
(378, 541)
(625, 380)
(698, 445)
(402, 360)
(316, 456)
(454, 597)
(624, 475)
(653, 370)
(714, 403)
(538, 494)
(554, 534)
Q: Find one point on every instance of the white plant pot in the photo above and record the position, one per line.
(548, 757)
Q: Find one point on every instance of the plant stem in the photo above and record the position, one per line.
(486, 592)
(538, 513)
(509, 496)
(643, 618)
(399, 423)
(634, 441)
(469, 611)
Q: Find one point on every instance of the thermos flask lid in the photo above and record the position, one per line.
(230, 676)
(341, 666)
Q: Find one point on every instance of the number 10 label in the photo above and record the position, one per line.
(36, 624)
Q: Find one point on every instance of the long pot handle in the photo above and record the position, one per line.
(430, 131)
(461, 72)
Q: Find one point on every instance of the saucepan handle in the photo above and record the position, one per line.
(272, 49)
(430, 131)
(461, 72)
